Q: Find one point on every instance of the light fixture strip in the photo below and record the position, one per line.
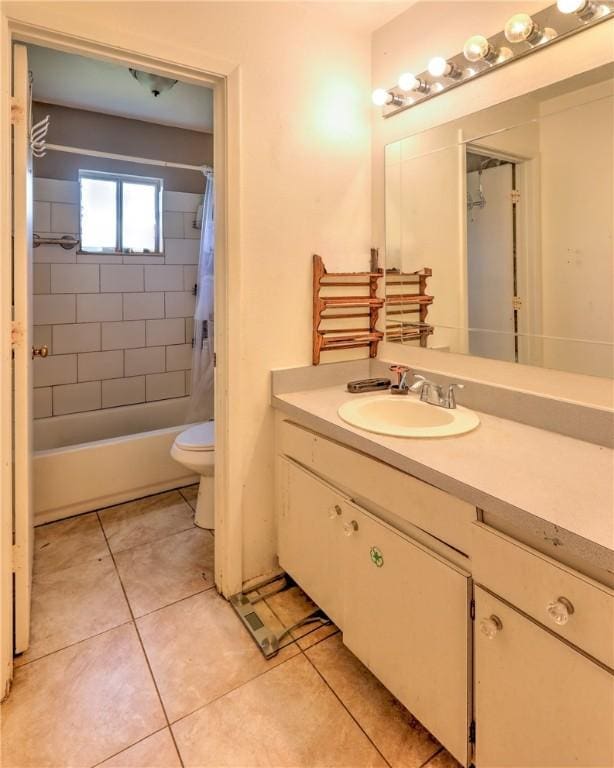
(548, 20)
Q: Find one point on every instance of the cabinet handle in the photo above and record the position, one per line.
(334, 511)
(40, 351)
(350, 528)
(560, 610)
(491, 626)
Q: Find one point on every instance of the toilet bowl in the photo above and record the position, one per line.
(194, 449)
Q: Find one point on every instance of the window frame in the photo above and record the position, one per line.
(120, 179)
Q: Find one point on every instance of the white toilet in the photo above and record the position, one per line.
(194, 448)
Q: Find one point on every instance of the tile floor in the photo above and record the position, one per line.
(137, 662)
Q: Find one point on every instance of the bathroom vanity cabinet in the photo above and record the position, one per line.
(503, 654)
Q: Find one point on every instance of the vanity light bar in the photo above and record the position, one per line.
(523, 34)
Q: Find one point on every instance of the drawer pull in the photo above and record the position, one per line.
(350, 528)
(560, 610)
(334, 512)
(491, 626)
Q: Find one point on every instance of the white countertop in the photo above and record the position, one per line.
(562, 487)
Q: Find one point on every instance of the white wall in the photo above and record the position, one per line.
(406, 44)
(305, 180)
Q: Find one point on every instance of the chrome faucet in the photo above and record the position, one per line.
(435, 394)
(401, 387)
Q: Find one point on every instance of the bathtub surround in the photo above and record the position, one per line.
(118, 326)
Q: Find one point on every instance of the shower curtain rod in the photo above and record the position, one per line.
(128, 158)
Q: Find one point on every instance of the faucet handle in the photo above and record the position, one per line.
(450, 398)
(419, 382)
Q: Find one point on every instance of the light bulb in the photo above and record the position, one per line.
(437, 66)
(521, 28)
(380, 97)
(572, 6)
(477, 48)
(440, 67)
(409, 82)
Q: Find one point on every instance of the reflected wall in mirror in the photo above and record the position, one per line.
(512, 209)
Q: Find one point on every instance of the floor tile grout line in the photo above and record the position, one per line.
(77, 642)
(121, 751)
(149, 667)
(432, 757)
(353, 718)
(238, 687)
(157, 540)
(174, 602)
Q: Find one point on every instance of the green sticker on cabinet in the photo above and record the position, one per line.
(376, 557)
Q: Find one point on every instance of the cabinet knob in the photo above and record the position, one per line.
(350, 528)
(560, 610)
(334, 511)
(491, 626)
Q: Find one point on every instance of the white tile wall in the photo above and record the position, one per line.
(75, 278)
(164, 278)
(42, 337)
(117, 279)
(123, 335)
(99, 306)
(42, 403)
(50, 309)
(181, 251)
(76, 337)
(143, 306)
(55, 369)
(172, 224)
(57, 191)
(95, 366)
(187, 202)
(74, 398)
(41, 217)
(179, 357)
(145, 360)
(163, 332)
(160, 386)
(180, 304)
(118, 326)
(41, 278)
(123, 391)
(64, 218)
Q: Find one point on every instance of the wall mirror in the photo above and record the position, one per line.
(499, 230)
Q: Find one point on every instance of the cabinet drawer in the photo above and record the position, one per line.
(532, 582)
(539, 702)
(438, 513)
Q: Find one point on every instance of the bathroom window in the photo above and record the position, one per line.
(120, 213)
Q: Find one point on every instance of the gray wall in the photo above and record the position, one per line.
(120, 135)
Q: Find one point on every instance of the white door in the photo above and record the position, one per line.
(407, 620)
(22, 360)
(490, 264)
(539, 703)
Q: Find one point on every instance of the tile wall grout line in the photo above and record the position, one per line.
(140, 639)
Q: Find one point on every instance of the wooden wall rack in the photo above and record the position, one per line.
(331, 302)
(406, 295)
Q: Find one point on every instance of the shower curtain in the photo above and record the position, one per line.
(201, 399)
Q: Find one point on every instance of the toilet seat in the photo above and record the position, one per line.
(200, 437)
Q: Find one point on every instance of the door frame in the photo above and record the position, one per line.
(224, 78)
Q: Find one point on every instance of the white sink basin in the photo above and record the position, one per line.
(406, 416)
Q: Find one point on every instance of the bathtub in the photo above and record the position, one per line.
(85, 461)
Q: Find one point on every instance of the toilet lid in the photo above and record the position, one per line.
(200, 437)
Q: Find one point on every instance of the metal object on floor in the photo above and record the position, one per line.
(266, 638)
